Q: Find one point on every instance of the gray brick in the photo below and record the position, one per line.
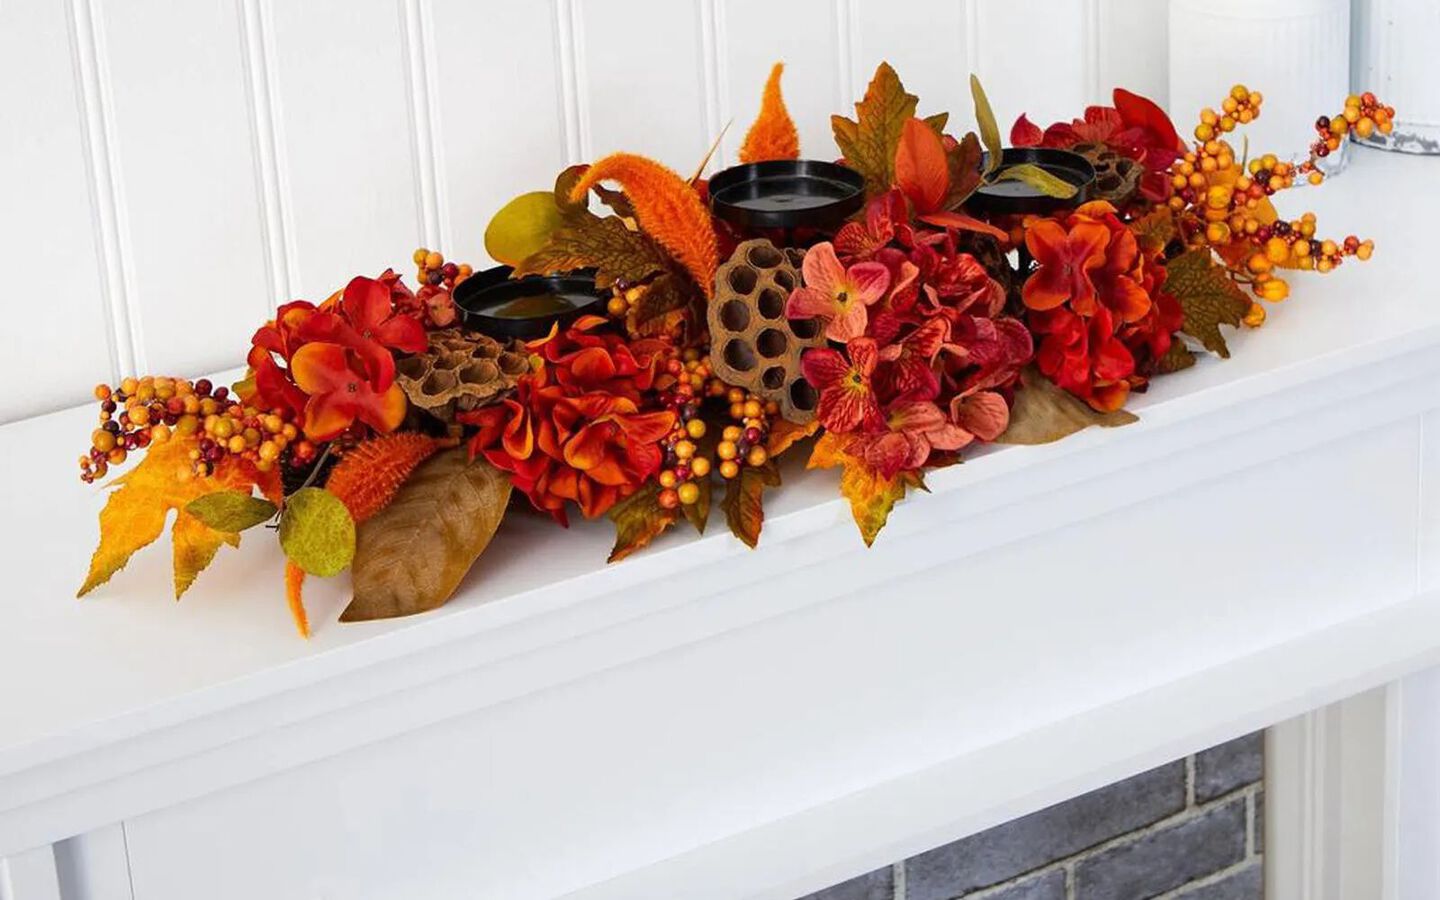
(1045, 886)
(1032, 842)
(876, 885)
(1229, 766)
(1246, 884)
(1167, 858)
(1259, 821)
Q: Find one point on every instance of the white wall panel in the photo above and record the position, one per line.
(187, 166)
(350, 183)
(185, 174)
(48, 240)
(805, 35)
(927, 42)
(1035, 57)
(501, 126)
(639, 65)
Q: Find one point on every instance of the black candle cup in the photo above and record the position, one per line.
(786, 193)
(492, 302)
(1015, 197)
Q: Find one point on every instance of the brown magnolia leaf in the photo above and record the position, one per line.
(868, 141)
(639, 519)
(1208, 297)
(606, 245)
(1039, 179)
(985, 118)
(1176, 358)
(1044, 413)
(1155, 230)
(743, 501)
(411, 555)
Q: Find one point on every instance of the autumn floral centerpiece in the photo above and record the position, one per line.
(379, 431)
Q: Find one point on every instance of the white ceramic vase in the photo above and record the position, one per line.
(1294, 52)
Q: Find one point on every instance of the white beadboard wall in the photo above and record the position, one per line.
(172, 171)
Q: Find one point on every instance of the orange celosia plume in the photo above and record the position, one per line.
(666, 208)
(773, 135)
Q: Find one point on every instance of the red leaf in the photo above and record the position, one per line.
(1025, 133)
(1138, 111)
(921, 169)
(947, 219)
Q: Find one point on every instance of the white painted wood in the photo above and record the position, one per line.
(180, 149)
(1331, 795)
(353, 136)
(47, 237)
(29, 875)
(501, 124)
(275, 149)
(94, 865)
(1429, 571)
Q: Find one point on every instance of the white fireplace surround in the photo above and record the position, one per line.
(758, 724)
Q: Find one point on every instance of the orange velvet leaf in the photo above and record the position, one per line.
(773, 136)
(366, 479)
(666, 208)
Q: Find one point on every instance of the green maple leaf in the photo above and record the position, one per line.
(744, 509)
(1208, 296)
(868, 142)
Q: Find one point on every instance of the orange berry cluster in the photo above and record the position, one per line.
(431, 268)
(1362, 116)
(1224, 201)
(152, 409)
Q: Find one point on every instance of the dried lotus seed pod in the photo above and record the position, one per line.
(1117, 176)
(460, 371)
(753, 345)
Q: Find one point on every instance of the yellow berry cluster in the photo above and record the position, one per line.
(623, 299)
(1223, 204)
(1362, 116)
(152, 409)
(431, 268)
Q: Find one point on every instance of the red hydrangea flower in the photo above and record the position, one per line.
(847, 397)
(1083, 355)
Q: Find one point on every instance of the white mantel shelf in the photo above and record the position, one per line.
(716, 723)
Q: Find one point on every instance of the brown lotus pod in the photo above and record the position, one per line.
(461, 371)
(1117, 176)
(752, 344)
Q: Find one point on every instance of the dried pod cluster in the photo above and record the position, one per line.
(461, 371)
(753, 345)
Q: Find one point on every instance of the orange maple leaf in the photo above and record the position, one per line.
(773, 135)
(871, 494)
(138, 508)
(666, 208)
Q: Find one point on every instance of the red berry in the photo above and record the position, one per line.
(203, 386)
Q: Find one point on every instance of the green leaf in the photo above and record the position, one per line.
(1044, 413)
(317, 533)
(1039, 179)
(231, 511)
(1208, 296)
(938, 122)
(522, 227)
(985, 118)
(616, 252)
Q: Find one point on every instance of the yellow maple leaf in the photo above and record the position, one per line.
(138, 507)
(773, 136)
(871, 495)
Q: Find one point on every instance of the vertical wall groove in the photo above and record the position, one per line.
(423, 145)
(710, 80)
(123, 333)
(1090, 32)
(845, 16)
(565, 82)
(580, 73)
(255, 60)
(972, 37)
(730, 143)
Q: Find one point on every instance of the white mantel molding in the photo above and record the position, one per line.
(759, 724)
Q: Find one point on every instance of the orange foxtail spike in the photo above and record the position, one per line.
(294, 580)
(773, 135)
